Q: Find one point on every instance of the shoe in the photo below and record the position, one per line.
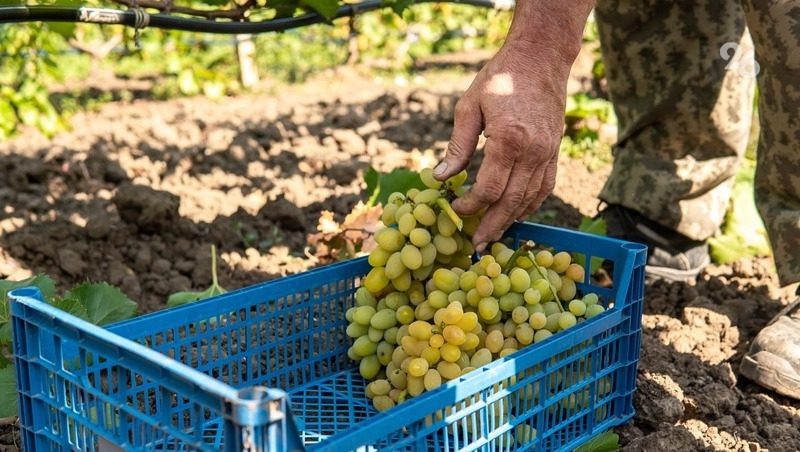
(670, 255)
(773, 360)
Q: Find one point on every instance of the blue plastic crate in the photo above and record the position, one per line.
(196, 377)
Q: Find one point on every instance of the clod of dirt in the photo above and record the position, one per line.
(284, 213)
(669, 438)
(349, 141)
(71, 262)
(658, 400)
(150, 210)
(98, 227)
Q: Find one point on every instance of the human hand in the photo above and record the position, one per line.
(517, 100)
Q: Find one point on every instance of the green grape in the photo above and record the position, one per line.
(590, 299)
(405, 314)
(508, 328)
(594, 310)
(438, 299)
(507, 351)
(420, 330)
(484, 286)
(481, 358)
(384, 352)
(541, 335)
(520, 280)
(554, 279)
(448, 370)
(551, 307)
(463, 360)
(351, 353)
(443, 258)
(457, 180)
(432, 379)
(374, 334)
(534, 308)
(402, 282)
(544, 258)
(568, 290)
(431, 354)
(519, 314)
(473, 298)
(369, 367)
(567, 320)
(458, 295)
(428, 254)
(552, 322)
(396, 299)
(543, 287)
(467, 248)
(453, 313)
(494, 341)
(525, 434)
(404, 209)
(398, 379)
(454, 335)
(470, 225)
(524, 334)
(380, 387)
(575, 272)
(427, 196)
(363, 346)
(349, 314)
(426, 174)
(378, 257)
(502, 284)
(406, 224)
(422, 273)
(390, 239)
(445, 224)
(460, 261)
(412, 193)
(510, 301)
(394, 266)
(416, 293)
(363, 314)
(424, 311)
(537, 320)
(471, 342)
(417, 367)
(532, 296)
(381, 304)
(450, 352)
(396, 197)
(419, 237)
(376, 280)
(577, 308)
(445, 245)
(416, 386)
(493, 270)
(365, 298)
(411, 257)
(436, 340)
(355, 330)
(488, 308)
(390, 335)
(398, 356)
(561, 261)
(424, 214)
(383, 319)
(468, 322)
(387, 217)
(445, 280)
(524, 262)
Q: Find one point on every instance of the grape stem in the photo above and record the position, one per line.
(544, 276)
(525, 248)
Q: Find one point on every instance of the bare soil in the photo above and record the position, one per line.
(137, 192)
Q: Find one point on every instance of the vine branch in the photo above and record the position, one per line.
(168, 6)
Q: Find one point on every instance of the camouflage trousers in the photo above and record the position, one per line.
(684, 101)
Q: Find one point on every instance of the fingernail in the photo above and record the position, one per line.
(440, 169)
(481, 246)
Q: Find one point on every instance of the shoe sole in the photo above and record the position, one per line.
(673, 274)
(768, 377)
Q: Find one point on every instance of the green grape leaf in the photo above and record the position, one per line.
(65, 29)
(397, 180)
(283, 8)
(43, 282)
(596, 226)
(398, 6)
(607, 441)
(103, 303)
(8, 392)
(72, 306)
(326, 8)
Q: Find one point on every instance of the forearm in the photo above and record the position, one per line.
(550, 25)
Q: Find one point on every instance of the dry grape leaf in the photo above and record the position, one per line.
(353, 236)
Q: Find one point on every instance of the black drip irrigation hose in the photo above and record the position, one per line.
(138, 18)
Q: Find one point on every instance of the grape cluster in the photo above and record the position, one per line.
(426, 313)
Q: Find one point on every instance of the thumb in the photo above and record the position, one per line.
(463, 141)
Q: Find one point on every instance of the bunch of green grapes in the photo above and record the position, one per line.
(427, 313)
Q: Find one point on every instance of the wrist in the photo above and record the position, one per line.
(552, 28)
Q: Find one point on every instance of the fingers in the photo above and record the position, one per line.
(545, 188)
(491, 181)
(468, 126)
(532, 190)
(501, 214)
